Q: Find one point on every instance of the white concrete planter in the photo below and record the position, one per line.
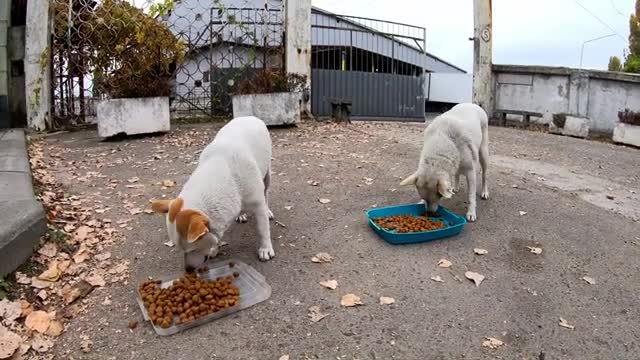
(273, 109)
(573, 126)
(133, 116)
(627, 134)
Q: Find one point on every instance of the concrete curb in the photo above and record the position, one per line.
(23, 216)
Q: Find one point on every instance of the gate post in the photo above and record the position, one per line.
(483, 86)
(298, 44)
(37, 64)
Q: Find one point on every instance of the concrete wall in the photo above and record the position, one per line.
(5, 12)
(37, 66)
(596, 95)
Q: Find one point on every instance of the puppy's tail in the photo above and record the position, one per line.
(411, 180)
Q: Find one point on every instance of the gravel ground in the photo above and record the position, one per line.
(580, 207)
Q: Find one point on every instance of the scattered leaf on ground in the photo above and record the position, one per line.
(42, 294)
(79, 290)
(168, 183)
(315, 314)
(444, 263)
(132, 324)
(10, 311)
(284, 357)
(313, 182)
(49, 250)
(475, 277)
(589, 279)
(134, 179)
(535, 250)
(324, 201)
(82, 232)
(492, 343)
(350, 300)
(40, 284)
(22, 278)
(41, 344)
(437, 278)
(38, 321)
(55, 328)
(523, 213)
(170, 243)
(85, 344)
(52, 273)
(322, 258)
(329, 284)
(385, 300)
(9, 343)
(103, 256)
(565, 324)
(95, 280)
(81, 255)
(480, 251)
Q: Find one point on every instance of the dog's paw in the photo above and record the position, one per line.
(241, 219)
(471, 216)
(270, 214)
(485, 195)
(266, 253)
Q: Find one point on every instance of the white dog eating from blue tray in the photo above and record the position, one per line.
(453, 144)
(232, 176)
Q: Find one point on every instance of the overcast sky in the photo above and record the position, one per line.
(541, 32)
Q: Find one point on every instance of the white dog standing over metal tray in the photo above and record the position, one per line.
(453, 144)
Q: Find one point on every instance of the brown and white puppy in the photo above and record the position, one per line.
(232, 176)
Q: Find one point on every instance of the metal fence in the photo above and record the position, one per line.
(377, 66)
(223, 43)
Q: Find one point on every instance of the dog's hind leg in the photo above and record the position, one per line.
(267, 182)
(484, 162)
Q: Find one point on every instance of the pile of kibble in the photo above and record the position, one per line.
(188, 298)
(408, 223)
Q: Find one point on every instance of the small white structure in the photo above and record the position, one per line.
(627, 134)
(573, 126)
(273, 109)
(133, 116)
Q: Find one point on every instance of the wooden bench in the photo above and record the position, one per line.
(501, 114)
(340, 109)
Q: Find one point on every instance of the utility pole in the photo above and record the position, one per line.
(482, 56)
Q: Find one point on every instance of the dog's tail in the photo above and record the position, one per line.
(411, 180)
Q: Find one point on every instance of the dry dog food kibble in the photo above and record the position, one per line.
(408, 223)
(188, 298)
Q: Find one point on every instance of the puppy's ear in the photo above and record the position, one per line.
(198, 227)
(174, 208)
(411, 180)
(444, 188)
(160, 206)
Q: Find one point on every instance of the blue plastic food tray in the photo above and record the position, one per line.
(417, 237)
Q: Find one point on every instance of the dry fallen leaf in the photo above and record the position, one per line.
(25, 308)
(43, 294)
(170, 243)
(475, 277)
(329, 284)
(79, 290)
(41, 344)
(315, 314)
(437, 278)
(444, 263)
(350, 300)
(523, 213)
(10, 311)
(168, 183)
(322, 258)
(492, 343)
(313, 182)
(324, 201)
(589, 279)
(535, 250)
(81, 255)
(480, 251)
(82, 233)
(565, 324)
(9, 343)
(49, 250)
(284, 357)
(38, 321)
(40, 284)
(55, 328)
(134, 179)
(385, 300)
(85, 344)
(52, 274)
(103, 256)
(22, 278)
(95, 280)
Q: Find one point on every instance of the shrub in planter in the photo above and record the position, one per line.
(627, 131)
(274, 97)
(134, 57)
